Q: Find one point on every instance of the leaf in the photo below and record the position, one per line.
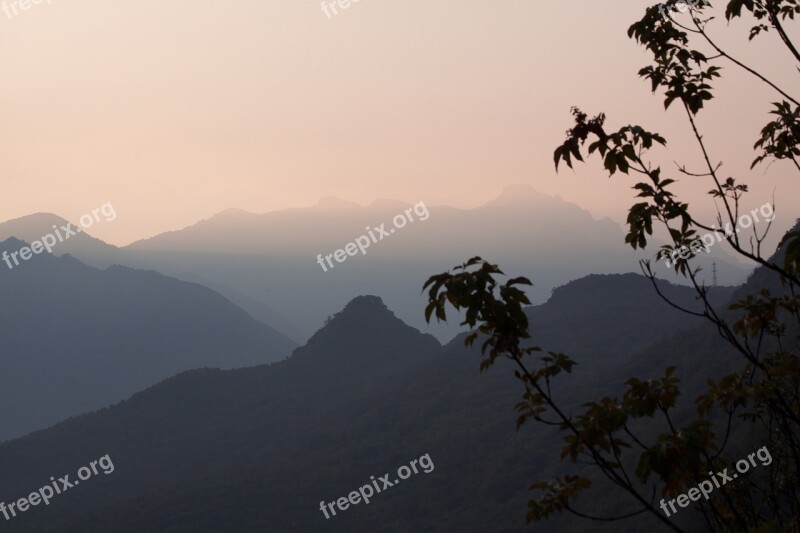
(611, 163)
(629, 152)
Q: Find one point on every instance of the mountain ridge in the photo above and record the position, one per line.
(359, 398)
(64, 322)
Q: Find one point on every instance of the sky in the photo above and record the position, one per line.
(173, 111)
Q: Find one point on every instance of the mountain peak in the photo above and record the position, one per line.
(12, 243)
(13, 258)
(366, 335)
(520, 194)
(37, 220)
(359, 309)
(366, 303)
(233, 212)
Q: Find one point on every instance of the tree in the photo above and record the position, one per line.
(763, 396)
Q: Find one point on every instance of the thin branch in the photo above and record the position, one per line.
(740, 64)
(601, 518)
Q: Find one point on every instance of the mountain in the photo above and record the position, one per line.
(267, 256)
(258, 261)
(616, 306)
(206, 422)
(81, 245)
(100, 254)
(257, 449)
(257, 309)
(76, 338)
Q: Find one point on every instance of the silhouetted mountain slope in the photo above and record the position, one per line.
(83, 246)
(266, 256)
(625, 313)
(255, 308)
(97, 253)
(208, 421)
(699, 354)
(258, 260)
(76, 338)
(764, 278)
(257, 449)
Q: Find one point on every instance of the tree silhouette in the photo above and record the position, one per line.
(638, 441)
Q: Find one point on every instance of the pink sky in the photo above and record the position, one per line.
(177, 110)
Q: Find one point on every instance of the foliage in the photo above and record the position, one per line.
(762, 400)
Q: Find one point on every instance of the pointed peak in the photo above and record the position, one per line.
(365, 336)
(365, 303)
(12, 243)
(360, 312)
(361, 307)
(520, 194)
(16, 252)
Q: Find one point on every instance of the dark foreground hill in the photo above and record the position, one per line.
(258, 449)
(75, 339)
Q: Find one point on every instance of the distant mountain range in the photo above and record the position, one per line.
(257, 449)
(75, 338)
(267, 263)
(81, 245)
